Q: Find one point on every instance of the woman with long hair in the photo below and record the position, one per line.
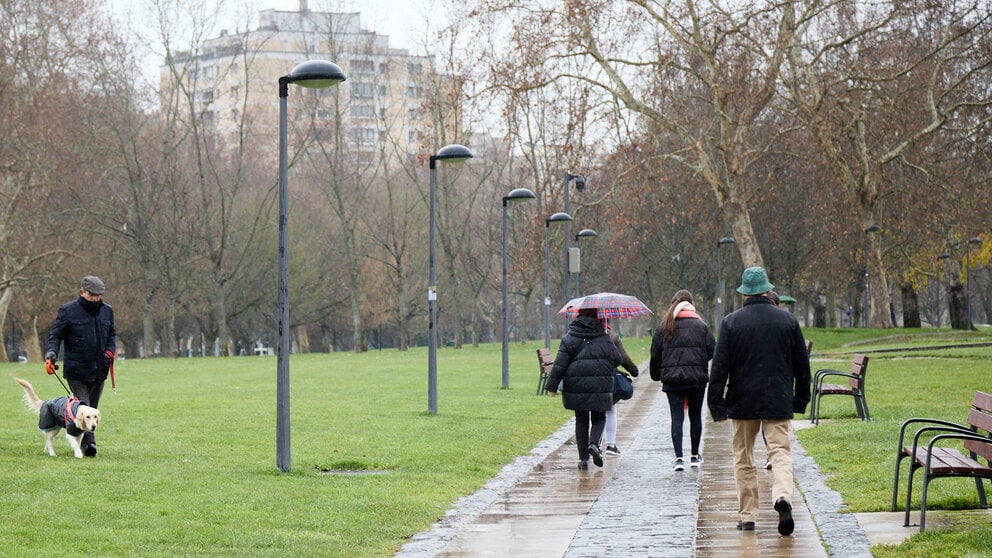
(681, 349)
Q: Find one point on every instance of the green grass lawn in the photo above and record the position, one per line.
(186, 461)
(858, 458)
(187, 448)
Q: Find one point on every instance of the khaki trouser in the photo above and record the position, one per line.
(778, 436)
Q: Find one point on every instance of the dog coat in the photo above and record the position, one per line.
(59, 413)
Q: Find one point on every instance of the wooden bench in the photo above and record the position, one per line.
(854, 388)
(545, 362)
(932, 451)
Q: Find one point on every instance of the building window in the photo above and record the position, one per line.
(362, 111)
(361, 90)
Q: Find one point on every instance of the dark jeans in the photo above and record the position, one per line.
(89, 394)
(589, 425)
(677, 404)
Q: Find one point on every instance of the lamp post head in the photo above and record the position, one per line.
(585, 233)
(873, 228)
(725, 240)
(559, 217)
(313, 74)
(518, 195)
(452, 153)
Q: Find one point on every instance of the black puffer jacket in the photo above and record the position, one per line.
(683, 361)
(586, 361)
(761, 367)
(87, 330)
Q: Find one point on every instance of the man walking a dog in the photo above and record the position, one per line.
(85, 328)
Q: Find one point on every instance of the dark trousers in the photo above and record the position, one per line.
(89, 394)
(677, 403)
(589, 425)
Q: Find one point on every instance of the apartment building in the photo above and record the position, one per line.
(386, 100)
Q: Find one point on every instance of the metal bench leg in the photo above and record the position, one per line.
(895, 482)
(923, 500)
(909, 490)
(864, 405)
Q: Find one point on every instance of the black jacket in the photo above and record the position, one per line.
(87, 330)
(682, 362)
(761, 368)
(586, 361)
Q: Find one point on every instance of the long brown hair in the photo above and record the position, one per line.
(668, 321)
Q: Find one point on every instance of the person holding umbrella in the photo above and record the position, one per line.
(584, 366)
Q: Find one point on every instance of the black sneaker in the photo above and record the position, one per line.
(745, 526)
(785, 523)
(90, 450)
(597, 456)
(583, 465)
(678, 464)
(695, 461)
(612, 450)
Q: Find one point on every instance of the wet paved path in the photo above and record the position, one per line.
(636, 505)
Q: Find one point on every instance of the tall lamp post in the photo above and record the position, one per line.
(453, 153)
(515, 195)
(967, 284)
(580, 185)
(313, 74)
(559, 217)
(940, 262)
(584, 233)
(719, 280)
(865, 319)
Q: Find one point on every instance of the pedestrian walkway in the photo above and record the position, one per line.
(636, 505)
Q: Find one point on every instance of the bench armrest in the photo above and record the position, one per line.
(818, 380)
(940, 431)
(953, 436)
(825, 372)
(927, 422)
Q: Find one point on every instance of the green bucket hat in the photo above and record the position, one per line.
(754, 282)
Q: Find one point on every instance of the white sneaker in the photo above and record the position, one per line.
(678, 464)
(695, 461)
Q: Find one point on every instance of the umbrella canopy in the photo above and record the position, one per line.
(608, 305)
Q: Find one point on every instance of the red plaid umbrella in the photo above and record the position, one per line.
(608, 305)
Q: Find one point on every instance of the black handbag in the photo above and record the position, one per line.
(623, 387)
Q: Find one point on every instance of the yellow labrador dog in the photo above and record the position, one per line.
(61, 412)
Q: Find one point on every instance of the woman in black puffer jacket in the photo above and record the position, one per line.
(680, 353)
(586, 361)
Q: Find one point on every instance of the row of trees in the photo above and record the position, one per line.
(791, 126)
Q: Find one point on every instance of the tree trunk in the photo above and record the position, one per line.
(910, 307)
(956, 307)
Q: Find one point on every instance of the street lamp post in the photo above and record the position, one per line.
(967, 284)
(584, 233)
(865, 319)
(515, 195)
(453, 153)
(940, 262)
(555, 218)
(718, 317)
(580, 185)
(313, 74)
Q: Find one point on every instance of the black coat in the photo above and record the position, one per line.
(87, 330)
(761, 367)
(585, 364)
(683, 361)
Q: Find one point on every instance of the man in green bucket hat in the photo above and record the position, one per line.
(758, 379)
